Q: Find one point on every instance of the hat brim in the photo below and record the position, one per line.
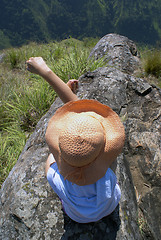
(115, 136)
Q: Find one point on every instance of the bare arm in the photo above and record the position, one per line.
(38, 66)
(50, 160)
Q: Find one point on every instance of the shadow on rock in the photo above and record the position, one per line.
(104, 229)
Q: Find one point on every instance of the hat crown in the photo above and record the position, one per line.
(81, 140)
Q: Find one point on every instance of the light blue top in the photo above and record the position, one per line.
(87, 203)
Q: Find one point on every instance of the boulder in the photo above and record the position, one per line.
(118, 51)
(139, 106)
(29, 209)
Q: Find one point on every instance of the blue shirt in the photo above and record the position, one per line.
(87, 203)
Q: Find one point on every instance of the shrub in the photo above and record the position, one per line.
(152, 63)
(13, 58)
(25, 108)
(12, 142)
(75, 63)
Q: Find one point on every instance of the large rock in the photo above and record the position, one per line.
(118, 51)
(29, 209)
(139, 105)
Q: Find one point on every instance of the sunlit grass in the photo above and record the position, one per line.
(75, 63)
(152, 63)
(12, 141)
(26, 107)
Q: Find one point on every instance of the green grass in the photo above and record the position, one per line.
(12, 141)
(27, 106)
(26, 97)
(150, 65)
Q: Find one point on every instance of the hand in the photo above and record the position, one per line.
(37, 65)
(73, 84)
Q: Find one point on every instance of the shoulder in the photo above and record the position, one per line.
(108, 181)
(110, 175)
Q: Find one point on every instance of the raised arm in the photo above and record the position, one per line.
(38, 66)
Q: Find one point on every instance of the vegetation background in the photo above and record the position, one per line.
(45, 20)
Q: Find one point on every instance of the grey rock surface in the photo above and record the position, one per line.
(29, 209)
(139, 105)
(119, 51)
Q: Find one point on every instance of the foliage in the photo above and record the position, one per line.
(12, 142)
(75, 63)
(14, 58)
(90, 42)
(152, 63)
(4, 41)
(26, 107)
(42, 20)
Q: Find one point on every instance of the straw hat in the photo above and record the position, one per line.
(85, 137)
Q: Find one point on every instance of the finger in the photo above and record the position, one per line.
(27, 68)
(75, 84)
(30, 60)
(72, 84)
(69, 83)
(75, 87)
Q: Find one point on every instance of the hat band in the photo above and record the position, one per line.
(79, 171)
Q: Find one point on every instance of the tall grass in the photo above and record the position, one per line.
(26, 97)
(152, 62)
(75, 63)
(12, 141)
